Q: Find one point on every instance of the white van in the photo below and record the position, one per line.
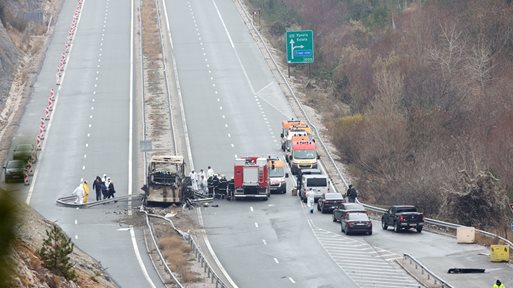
(318, 183)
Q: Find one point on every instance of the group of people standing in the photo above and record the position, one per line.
(102, 186)
(208, 182)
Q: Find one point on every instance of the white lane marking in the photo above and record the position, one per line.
(83, 167)
(229, 135)
(256, 224)
(76, 236)
(90, 125)
(138, 256)
(218, 99)
(94, 93)
(234, 50)
(236, 156)
(263, 241)
(76, 221)
(251, 208)
(130, 113)
(220, 107)
(224, 25)
(86, 145)
(258, 92)
(232, 145)
(276, 260)
(85, 156)
(92, 107)
(90, 116)
(226, 125)
(187, 144)
(222, 116)
(88, 135)
(292, 280)
(36, 172)
(213, 254)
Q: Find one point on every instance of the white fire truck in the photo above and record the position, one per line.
(250, 178)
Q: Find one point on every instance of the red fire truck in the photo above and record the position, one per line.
(250, 178)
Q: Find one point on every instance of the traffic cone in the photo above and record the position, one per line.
(52, 94)
(42, 126)
(47, 113)
(26, 179)
(50, 104)
(33, 158)
(28, 168)
(38, 143)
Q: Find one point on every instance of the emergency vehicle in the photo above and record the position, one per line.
(277, 175)
(250, 178)
(290, 128)
(166, 183)
(303, 156)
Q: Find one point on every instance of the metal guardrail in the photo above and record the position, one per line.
(195, 248)
(424, 271)
(68, 201)
(444, 224)
(162, 259)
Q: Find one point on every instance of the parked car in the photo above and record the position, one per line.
(356, 223)
(14, 170)
(402, 217)
(23, 152)
(329, 201)
(345, 208)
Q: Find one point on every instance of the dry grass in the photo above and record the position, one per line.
(178, 253)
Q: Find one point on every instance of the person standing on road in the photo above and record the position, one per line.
(79, 192)
(498, 284)
(86, 191)
(97, 187)
(201, 173)
(210, 172)
(215, 184)
(351, 194)
(203, 184)
(104, 186)
(110, 188)
(310, 199)
(194, 180)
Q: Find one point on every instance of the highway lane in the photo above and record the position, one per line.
(222, 76)
(89, 136)
(234, 107)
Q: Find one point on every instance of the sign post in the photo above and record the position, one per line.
(299, 47)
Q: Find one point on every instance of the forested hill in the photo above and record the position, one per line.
(420, 98)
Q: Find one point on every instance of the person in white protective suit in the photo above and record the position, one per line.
(210, 172)
(310, 199)
(194, 180)
(79, 192)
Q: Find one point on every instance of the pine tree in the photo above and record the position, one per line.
(55, 253)
(9, 219)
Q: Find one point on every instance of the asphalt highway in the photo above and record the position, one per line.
(89, 135)
(234, 108)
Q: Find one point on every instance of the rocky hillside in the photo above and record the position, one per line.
(29, 271)
(23, 39)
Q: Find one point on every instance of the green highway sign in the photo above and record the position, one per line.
(300, 46)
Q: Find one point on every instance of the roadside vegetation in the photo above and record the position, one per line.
(416, 96)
